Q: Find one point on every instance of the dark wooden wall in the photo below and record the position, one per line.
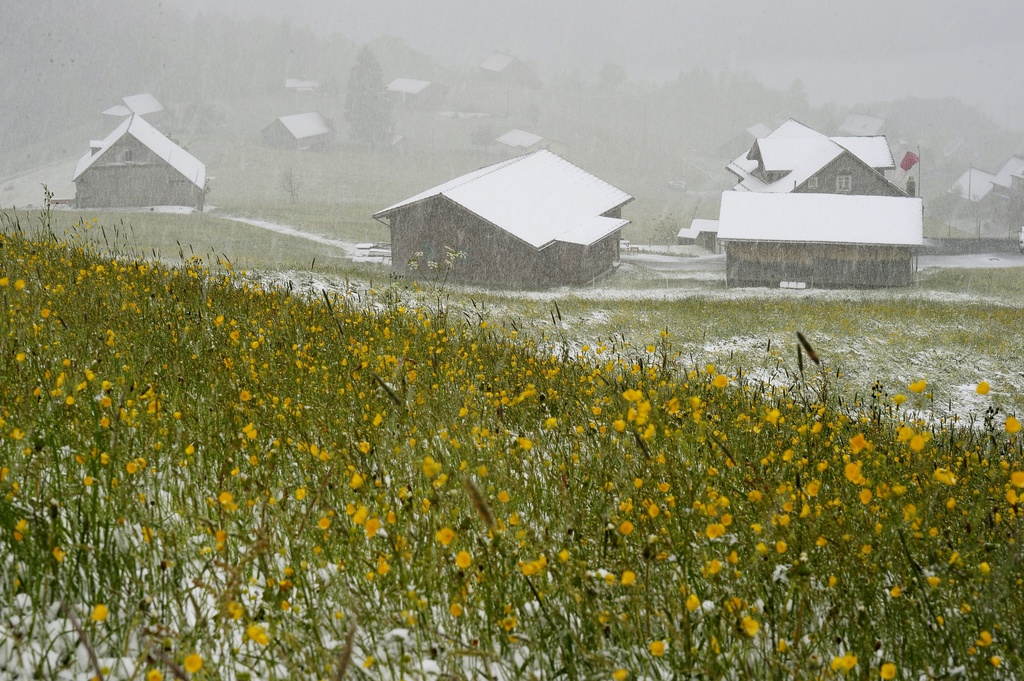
(762, 263)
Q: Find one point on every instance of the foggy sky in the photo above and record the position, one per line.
(853, 52)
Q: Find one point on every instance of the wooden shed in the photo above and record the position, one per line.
(533, 221)
(304, 131)
(517, 142)
(136, 165)
(819, 240)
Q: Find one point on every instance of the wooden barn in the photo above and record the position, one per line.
(305, 131)
(136, 165)
(533, 221)
(819, 240)
(795, 158)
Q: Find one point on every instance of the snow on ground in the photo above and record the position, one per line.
(26, 190)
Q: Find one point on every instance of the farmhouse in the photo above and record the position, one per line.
(701, 232)
(518, 142)
(819, 240)
(528, 222)
(795, 158)
(136, 165)
(858, 124)
(305, 131)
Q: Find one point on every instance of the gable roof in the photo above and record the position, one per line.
(519, 138)
(801, 151)
(1014, 166)
(861, 124)
(821, 218)
(539, 198)
(144, 103)
(409, 86)
(974, 184)
(305, 125)
(179, 159)
(497, 62)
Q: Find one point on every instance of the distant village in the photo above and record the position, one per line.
(809, 208)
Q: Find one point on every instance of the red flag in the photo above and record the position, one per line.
(909, 160)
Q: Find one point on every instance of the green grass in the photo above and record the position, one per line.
(250, 475)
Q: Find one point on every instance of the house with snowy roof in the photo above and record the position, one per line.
(861, 125)
(518, 142)
(504, 67)
(144, 104)
(304, 131)
(794, 158)
(819, 240)
(991, 203)
(529, 222)
(137, 165)
(416, 93)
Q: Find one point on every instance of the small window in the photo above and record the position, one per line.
(127, 156)
(812, 183)
(844, 183)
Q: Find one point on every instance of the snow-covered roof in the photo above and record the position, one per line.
(697, 226)
(874, 151)
(519, 138)
(539, 198)
(497, 62)
(305, 125)
(409, 86)
(861, 124)
(300, 84)
(118, 110)
(801, 151)
(974, 184)
(144, 103)
(1015, 166)
(758, 130)
(821, 218)
(179, 159)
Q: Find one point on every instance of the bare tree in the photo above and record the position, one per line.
(291, 182)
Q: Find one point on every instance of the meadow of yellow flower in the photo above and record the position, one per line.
(201, 475)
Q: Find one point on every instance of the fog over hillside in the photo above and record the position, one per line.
(850, 53)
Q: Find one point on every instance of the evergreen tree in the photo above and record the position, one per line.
(367, 107)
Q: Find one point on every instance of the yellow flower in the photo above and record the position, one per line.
(626, 527)
(750, 626)
(917, 443)
(324, 523)
(714, 530)
(944, 476)
(692, 602)
(225, 498)
(888, 671)
(445, 535)
(845, 663)
(781, 546)
(258, 634)
(357, 481)
(455, 609)
(865, 496)
(1017, 478)
(463, 559)
(657, 648)
(1012, 425)
(853, 474)
(918, 386)
(154, 675)
(524, 443)
(984, 639)
(857, 443)
(934, 581)
(983, 388)
(100, 613)
(620, 674)
(372, 527)
(895, 591)
(245, 396)
(193, 663)
(628, 577)
(721, 381)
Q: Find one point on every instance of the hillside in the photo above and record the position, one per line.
(204, 476)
